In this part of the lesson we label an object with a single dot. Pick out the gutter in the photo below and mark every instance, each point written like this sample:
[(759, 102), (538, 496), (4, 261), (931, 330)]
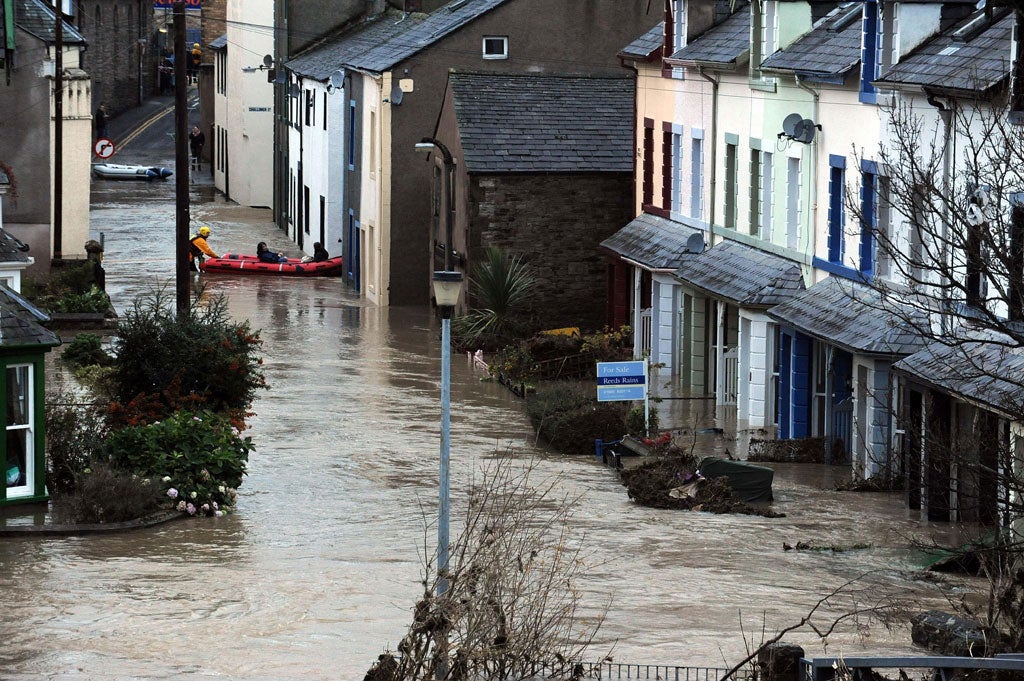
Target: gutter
[(813, 189), (714, 153)]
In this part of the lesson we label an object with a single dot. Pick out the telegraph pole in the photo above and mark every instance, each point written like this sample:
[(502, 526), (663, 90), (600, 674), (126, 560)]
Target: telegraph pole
[(181, 161), (58, 131)]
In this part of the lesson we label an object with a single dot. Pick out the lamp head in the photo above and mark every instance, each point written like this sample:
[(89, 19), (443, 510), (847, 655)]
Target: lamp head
[(425, 147), (447, 289)]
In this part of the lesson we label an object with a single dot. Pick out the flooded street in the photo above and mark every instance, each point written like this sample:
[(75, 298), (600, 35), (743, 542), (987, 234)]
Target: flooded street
[(317, 571)]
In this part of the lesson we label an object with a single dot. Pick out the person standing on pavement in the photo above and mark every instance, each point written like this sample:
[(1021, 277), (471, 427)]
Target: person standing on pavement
[(101, 122), (199, 249), (196, 140)]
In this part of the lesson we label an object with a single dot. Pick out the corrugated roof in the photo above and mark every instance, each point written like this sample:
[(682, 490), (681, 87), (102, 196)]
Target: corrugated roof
[(219, 43), (11, 248), (382, 42), (19, 322), (39, 19), (516, 122), (984, 371), (968, 57), (852, 316), (726, 43), (831, 48), (742, 275), (654, 242), (646, 46)]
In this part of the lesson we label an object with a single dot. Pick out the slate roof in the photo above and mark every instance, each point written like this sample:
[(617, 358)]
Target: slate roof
[(37, 18), (219, 43), (647, 46), (544, 123), (972, 63), (726, 43), (653, 242), (380, 43), (831, 49), (11, 248), (851, 316), (983, 371), (19, 322), (742, 275)]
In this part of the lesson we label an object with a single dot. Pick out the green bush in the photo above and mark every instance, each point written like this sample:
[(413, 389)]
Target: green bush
[(74, 433), (94, 300), (85, 350), (635, 421), (199, 458), (105, 495), (201, 354), (569, 418)]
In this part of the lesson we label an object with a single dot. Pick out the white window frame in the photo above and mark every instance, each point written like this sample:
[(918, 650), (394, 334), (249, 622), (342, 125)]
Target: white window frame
[(677, 171), (696, 177), (793, 187), (29, 428), (767, 194), (494, 55)]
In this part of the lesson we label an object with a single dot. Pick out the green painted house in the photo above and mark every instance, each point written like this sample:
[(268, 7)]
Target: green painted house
[(24, 343)]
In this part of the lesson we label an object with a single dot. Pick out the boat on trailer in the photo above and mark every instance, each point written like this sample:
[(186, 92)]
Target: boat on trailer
[(235, 263), (115, 171)]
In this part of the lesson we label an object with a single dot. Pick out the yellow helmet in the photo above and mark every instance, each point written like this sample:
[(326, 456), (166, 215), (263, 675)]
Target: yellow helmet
[(204, 231)]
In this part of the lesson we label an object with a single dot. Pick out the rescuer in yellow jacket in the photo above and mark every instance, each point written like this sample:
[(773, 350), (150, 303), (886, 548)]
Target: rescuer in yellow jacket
[(199, 249)]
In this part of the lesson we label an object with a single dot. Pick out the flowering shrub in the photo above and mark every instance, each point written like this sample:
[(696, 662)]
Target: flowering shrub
[(199, 457), (660, 444)]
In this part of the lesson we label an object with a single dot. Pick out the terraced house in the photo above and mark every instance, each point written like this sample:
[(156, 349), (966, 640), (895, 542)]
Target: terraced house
[(818, 233)]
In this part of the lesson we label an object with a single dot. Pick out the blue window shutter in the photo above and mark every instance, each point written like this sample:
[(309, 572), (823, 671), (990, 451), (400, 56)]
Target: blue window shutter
[(801, 389)]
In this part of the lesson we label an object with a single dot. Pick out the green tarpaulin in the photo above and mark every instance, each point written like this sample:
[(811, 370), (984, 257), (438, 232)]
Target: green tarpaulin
[(752, 483)]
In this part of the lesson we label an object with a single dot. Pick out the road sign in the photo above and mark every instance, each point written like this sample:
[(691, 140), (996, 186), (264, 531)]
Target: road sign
[(104, 148), (621, 381)]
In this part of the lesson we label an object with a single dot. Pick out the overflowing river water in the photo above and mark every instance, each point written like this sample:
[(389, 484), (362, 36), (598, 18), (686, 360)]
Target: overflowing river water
[(317, 571)]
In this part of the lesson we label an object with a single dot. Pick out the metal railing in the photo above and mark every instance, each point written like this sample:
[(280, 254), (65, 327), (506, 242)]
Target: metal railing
[(827, 668), (616, 670), (645, 332), (731, 361)]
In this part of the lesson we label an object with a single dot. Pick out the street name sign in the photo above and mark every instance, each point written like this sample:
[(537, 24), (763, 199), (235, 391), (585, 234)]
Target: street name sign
[(621, 381)]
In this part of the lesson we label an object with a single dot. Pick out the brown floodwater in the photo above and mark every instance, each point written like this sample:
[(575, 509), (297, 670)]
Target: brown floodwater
[(317, 571)]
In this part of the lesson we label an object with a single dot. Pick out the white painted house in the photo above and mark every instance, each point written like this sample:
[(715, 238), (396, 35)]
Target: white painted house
[(244, 104)]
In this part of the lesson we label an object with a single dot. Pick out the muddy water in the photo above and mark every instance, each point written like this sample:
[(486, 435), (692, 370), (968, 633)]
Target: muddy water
[(316, 572)]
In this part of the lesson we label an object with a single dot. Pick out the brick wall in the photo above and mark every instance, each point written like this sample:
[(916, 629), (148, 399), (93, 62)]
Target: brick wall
[(555, 222), (115, 57), (215, 14)]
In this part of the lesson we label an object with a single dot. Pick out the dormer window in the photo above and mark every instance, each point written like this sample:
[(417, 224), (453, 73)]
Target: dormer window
[(769, 29), (869, 53), (678, 25)]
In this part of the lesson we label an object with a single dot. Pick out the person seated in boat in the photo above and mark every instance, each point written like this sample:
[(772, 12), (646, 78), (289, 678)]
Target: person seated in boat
[(198, 248), (266, 255), (320, 253)]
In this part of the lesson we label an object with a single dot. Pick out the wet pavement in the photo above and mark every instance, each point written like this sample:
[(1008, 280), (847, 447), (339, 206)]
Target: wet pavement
[(317, 571)]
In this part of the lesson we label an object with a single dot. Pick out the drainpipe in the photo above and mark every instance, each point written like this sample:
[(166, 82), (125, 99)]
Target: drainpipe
[(714, 152), (946, 114), (812, 190)]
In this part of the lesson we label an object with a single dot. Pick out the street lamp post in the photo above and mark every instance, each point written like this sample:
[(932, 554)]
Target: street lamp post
[(428, 144), (447, 288)]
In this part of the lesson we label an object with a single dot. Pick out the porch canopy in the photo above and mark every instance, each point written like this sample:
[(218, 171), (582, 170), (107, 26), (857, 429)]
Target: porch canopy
[(652, 243), (21, 323), (742, 275), (853, 317), (987, 370)]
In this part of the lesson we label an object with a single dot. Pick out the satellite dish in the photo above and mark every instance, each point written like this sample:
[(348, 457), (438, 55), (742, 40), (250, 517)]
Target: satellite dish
[(790, 123), (695, 243), (805, 130), (337, 79), (396, 95), (268, 60)]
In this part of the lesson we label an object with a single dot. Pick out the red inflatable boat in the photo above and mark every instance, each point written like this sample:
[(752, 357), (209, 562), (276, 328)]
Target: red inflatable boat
[(234, 263)]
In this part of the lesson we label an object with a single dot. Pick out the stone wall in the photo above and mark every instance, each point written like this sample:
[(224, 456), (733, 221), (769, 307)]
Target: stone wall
[(215, 14), (122, 47), (555, 222)]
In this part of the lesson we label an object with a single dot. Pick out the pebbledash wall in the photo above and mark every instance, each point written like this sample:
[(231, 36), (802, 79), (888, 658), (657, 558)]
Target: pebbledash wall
[(555, 222)]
